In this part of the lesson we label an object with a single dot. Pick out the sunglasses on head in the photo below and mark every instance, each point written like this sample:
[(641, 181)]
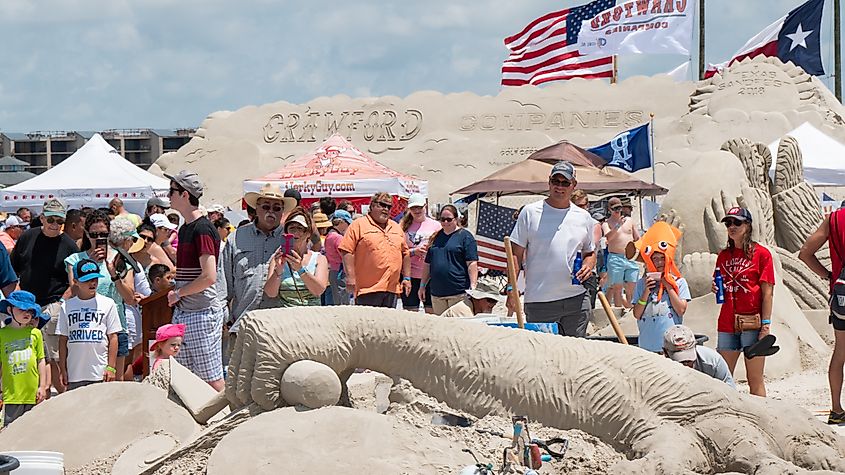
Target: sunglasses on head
[(733, 222), (556, 182), (98, 235), (276, 209), (54, 220), (383, 204), (446, 219)]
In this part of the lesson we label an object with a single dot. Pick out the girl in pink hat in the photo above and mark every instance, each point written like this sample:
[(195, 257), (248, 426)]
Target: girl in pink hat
[(168, 342)]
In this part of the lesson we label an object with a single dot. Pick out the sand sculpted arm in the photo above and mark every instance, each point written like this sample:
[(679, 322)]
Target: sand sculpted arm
[(664, 416)]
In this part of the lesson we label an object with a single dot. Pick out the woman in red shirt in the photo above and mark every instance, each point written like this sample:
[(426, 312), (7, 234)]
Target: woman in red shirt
[(749, 277)]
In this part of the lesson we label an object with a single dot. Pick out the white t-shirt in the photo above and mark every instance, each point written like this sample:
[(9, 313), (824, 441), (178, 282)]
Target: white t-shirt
[(87, 324), (552, 237)]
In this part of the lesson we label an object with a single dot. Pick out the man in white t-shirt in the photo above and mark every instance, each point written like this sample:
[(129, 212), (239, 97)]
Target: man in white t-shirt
[(547, 238), (88, 326)]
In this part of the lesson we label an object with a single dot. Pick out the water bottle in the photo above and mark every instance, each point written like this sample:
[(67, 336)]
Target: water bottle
[(576, 266), (720, 287)]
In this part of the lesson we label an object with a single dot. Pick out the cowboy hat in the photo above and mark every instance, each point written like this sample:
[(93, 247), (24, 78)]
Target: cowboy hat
[(271, 192)]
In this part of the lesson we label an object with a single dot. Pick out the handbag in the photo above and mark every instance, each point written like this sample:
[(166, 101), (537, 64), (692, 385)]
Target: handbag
[(744, 323)]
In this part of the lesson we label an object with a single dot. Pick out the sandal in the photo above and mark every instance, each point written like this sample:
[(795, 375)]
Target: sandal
[(835, 418), (763, 347)]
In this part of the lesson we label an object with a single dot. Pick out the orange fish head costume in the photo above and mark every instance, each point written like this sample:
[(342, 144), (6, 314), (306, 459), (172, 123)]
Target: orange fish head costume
[(663, 238)]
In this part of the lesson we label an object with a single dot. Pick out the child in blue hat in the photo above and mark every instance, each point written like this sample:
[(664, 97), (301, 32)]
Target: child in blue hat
[(22, 364)]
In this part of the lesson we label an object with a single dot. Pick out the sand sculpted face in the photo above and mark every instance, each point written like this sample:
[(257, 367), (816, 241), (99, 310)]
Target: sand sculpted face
[(667, 418)]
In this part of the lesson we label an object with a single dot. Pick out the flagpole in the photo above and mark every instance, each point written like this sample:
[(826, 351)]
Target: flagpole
[(615, 71), (651, 146), (837, 51), (701, 39)]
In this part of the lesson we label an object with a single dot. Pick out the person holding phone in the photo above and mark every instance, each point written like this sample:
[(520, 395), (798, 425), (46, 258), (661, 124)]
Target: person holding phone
[(297, 274)]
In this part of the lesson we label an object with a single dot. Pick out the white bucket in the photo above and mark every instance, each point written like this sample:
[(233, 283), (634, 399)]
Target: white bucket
[(39, 463)]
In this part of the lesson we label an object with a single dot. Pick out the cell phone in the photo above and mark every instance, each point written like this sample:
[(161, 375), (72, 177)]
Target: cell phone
[(655, 275), (101, 242), (287, 244)]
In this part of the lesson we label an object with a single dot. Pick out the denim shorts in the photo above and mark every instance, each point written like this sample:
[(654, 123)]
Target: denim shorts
[(122, 344), (737, 341)]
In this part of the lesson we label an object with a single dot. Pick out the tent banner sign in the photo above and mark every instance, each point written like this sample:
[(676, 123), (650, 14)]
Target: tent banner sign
[(346, 188)]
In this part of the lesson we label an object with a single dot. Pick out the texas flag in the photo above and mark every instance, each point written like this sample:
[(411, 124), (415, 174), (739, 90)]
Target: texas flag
[(795, 37)]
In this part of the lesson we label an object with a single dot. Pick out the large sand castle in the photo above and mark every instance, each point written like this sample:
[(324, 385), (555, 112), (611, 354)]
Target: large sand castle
[(624, 410)]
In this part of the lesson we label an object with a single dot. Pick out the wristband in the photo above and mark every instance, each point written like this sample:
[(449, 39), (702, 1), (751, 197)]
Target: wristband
[(423, 284), (111, 370), (509, 288), (642, 302), (302, 270), (766, 322), (406, 278)]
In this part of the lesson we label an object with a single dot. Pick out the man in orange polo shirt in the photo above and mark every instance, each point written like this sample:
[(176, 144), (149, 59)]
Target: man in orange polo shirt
[(375, 256)]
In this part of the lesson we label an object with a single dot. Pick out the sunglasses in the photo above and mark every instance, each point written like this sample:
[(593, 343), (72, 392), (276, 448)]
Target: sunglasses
[(53, 220), (98, 235), (383, 204), (174, 190), (445, 219), (733, 222), (616, 208), (147, 238), (276, 209), (563, 183)]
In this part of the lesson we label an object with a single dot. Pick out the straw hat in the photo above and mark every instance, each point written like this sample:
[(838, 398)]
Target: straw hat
[(321, 220), (271, 192)]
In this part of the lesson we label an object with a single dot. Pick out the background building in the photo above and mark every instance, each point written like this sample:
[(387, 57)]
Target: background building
[(41, 150)]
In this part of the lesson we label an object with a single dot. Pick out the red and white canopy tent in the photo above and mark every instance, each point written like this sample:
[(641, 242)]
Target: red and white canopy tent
[(340, 170)]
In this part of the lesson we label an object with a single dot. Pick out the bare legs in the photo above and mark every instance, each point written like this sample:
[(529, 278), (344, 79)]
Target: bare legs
[(753, 370), (835, 372)]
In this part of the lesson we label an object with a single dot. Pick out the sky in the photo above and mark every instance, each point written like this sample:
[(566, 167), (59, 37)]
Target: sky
[(103, 64)]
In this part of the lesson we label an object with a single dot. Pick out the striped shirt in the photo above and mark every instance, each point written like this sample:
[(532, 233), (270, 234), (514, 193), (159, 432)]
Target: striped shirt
[(243, 268), (196, 239)]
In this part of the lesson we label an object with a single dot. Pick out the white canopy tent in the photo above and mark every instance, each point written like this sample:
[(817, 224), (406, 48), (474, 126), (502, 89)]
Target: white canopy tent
[(92, 176), (823, 156)]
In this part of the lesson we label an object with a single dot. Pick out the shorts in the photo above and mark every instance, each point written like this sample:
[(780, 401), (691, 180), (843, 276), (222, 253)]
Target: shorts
[(122, 344), (412, 300), (621, 269), (441, 304), (838, 323), (737, 341), (133, 326), (570, 314), (79, 384), (51, 340), (13, 411), (202, 350), (377, 299)]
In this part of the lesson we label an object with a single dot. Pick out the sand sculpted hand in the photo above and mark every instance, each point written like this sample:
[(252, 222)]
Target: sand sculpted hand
[(797, 210), (665, 417)]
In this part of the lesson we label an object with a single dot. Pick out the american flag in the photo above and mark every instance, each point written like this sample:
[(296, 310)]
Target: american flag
[(547, 49), (494, 223)]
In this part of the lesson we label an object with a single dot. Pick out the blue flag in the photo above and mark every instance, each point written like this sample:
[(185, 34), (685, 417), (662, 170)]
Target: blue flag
[(799, 39), (630, 150)]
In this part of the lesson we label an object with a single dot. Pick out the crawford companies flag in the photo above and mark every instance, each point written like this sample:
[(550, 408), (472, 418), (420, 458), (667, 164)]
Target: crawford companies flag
[(547, 49), (640, 27)]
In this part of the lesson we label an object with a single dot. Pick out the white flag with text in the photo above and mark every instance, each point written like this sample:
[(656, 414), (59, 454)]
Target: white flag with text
[(640, 27)]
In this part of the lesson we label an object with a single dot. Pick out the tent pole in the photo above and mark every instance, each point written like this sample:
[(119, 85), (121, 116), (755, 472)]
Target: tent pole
[(640, 195)]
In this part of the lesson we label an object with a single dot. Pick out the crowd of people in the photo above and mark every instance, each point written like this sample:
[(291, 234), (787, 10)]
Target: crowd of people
[(74, 279)]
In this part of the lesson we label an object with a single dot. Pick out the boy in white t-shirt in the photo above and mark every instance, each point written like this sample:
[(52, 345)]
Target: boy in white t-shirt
[(88, 326)]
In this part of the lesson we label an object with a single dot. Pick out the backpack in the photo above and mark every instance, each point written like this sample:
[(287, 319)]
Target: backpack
[(837, 296)]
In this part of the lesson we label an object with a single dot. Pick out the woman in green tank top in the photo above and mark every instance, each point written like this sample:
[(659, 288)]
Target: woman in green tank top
[(300, 277)]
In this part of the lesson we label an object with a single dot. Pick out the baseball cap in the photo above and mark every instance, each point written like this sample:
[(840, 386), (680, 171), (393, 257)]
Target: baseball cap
[(188, 180), (293, 193), (417, 199), (216, 208), (13, 221), (86, 270), (738, 213), (297, 219), (342, 214), (160, 221), (54, 207), (563, 168), (158, 201), (679, 343)]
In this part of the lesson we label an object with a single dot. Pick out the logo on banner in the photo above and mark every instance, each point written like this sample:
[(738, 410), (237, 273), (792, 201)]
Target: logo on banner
[(621, 153)]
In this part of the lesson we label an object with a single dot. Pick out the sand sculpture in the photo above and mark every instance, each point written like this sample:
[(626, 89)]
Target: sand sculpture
[(667, 418)]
